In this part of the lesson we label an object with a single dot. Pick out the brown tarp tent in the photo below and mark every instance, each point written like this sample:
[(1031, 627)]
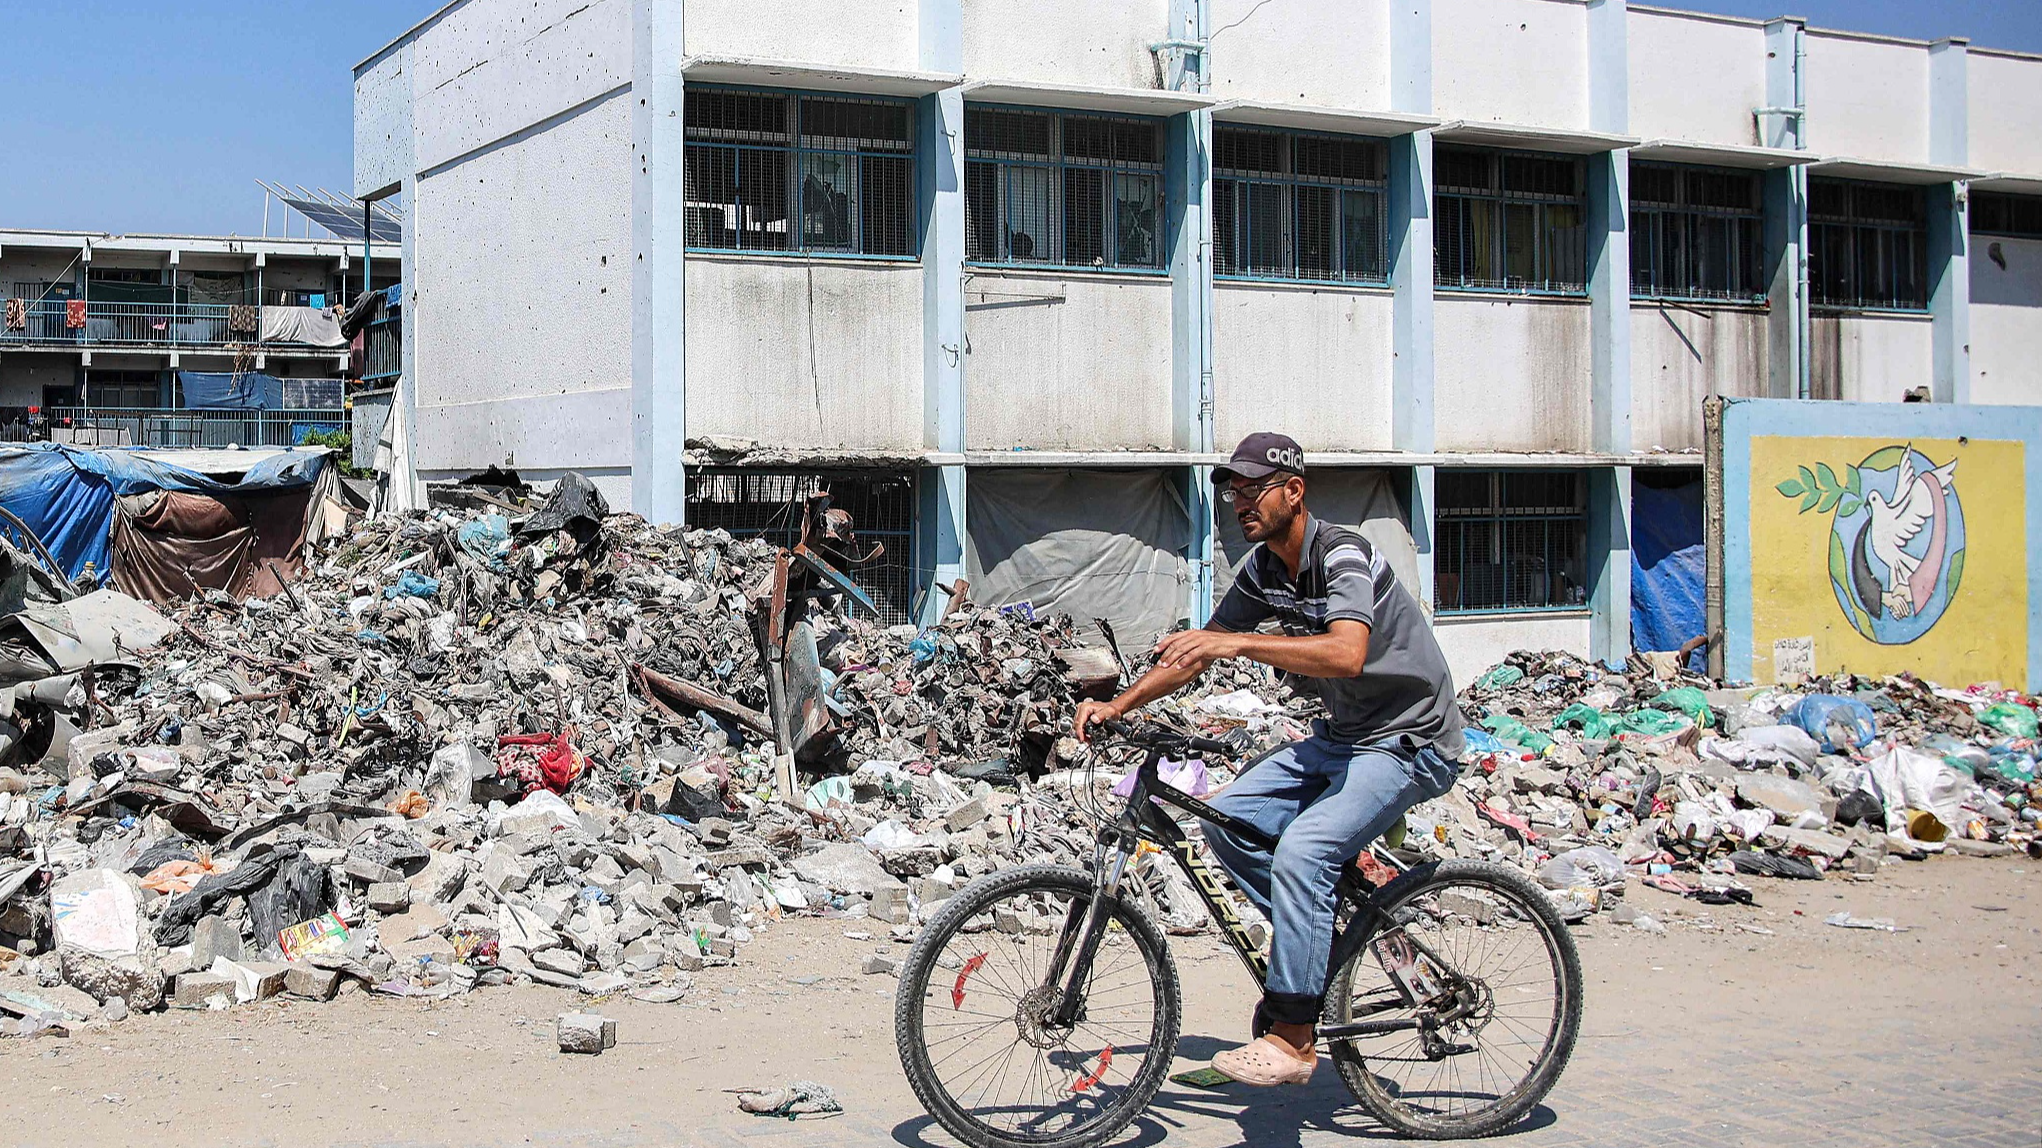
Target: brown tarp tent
[(169, 545)]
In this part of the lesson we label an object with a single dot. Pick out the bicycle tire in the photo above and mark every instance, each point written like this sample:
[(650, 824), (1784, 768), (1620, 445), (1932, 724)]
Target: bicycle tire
[(1353, 952), (919, 969)]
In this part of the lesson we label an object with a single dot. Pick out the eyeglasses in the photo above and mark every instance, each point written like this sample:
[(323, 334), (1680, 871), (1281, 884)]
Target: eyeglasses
[(1231, 495)]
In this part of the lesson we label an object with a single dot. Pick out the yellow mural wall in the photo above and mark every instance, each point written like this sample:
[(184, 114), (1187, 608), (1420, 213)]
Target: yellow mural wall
[(1818, 581)]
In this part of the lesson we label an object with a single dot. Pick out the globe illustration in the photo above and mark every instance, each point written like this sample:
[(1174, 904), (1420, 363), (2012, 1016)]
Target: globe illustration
[(1896, 544)]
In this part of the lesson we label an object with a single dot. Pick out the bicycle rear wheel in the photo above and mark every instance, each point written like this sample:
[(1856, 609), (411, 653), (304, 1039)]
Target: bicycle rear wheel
[(974, 1025), (1499, 985)]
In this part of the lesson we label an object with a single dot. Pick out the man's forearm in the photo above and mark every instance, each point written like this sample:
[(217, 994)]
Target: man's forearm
[(1159, 682), (1314, 656)]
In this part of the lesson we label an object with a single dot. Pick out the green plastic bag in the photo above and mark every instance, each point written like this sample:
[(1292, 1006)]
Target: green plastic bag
[(1652, 723), (1687, 700), (1499, 676), (2009, 719), (1592, 722), (1517, 733)]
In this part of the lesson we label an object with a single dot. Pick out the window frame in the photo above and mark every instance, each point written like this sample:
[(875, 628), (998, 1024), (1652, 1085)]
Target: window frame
[(1822, 227), (1980, 199), (798, 155), (1057, 165), (1504, 200), (1497, 516), (1655, 213), (1292, 185)]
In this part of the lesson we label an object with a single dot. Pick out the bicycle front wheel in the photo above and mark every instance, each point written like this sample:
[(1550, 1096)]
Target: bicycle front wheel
[(975, 1017), (1483, 977)]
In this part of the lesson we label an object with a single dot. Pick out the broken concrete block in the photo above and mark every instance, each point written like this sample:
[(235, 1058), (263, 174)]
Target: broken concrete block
[(311, 982), (389, 896), (586, 1032), (843, 868), (253, 980), (879, 964), (370, 872), (967, 815), (213, 938), (86, 746), (200, 990)]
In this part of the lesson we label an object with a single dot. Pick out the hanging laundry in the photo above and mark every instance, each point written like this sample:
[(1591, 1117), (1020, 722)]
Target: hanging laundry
[(17, 314), (74, 314), (241, 317)]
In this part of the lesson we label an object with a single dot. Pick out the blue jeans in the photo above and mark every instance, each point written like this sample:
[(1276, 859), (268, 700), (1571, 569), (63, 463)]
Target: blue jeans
[(1323, 801)]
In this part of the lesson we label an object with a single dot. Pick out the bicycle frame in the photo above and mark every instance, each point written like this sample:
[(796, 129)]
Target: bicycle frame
[(1143, 820)]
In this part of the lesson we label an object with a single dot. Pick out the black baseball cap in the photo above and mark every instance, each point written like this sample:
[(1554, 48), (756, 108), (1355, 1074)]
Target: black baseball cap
[(1262, 454)]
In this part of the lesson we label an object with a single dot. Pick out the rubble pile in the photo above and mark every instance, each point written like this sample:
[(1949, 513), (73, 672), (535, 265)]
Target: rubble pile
[(498, 743)]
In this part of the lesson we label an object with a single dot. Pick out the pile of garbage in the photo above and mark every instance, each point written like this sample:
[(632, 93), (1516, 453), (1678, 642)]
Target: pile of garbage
[(1586, 776), (538, 743)]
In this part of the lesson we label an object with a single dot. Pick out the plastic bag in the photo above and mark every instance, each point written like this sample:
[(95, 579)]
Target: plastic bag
[(2009, 719), (1592, 722), (1189, 776), (486, 538), (1651, 723), (1517, 733), (1907, 779), (1481, 742), (1591, 866), (1499, 676), (1687, 700), (2012, 765), (412, 584), (1837, 724)]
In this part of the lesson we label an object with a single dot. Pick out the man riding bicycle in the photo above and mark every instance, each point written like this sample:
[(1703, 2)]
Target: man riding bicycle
[(1356, 637)]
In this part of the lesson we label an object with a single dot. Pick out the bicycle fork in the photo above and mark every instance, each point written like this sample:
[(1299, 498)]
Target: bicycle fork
[(1078, 945)]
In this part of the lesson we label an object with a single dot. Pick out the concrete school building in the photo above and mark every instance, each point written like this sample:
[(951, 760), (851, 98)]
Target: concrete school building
[(1013, 274)]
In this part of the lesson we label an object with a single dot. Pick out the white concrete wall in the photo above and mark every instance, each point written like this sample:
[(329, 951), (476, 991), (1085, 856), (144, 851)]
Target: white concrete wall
[(1511, 61), (2005, 106), (383, 132), (1474, 643), (1682, 354), (867, 34), (1510, 373), (493, 68), (805, 353), (24, 265), (1314, 359), (1869, 358), (1067, 361), (1261, 51), (522, 314), (1694, 77), (1103, 43), (1868, 99), (2006, 321)]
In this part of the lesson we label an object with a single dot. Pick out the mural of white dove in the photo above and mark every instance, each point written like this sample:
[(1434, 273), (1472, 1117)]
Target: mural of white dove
[(1918, 501)]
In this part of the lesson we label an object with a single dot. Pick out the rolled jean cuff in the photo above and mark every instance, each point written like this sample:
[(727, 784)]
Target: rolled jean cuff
[(1292, 1008)]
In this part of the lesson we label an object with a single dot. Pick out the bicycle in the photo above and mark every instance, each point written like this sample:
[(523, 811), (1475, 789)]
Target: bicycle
[(1078, 975)]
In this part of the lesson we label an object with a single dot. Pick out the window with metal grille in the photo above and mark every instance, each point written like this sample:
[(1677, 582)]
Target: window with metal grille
[(1062, 189), (1511, 540), (1297, 205), (2014, 216), (769, 504), (794, 172), (1695, 233), (1509, 221), (1867, 245)]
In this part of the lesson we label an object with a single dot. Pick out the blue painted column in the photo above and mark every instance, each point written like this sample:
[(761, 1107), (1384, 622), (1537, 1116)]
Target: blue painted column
[(1784, 124), (1949, 240), (939, 193), (1411, 273), (1187, 191), (1609, 323), (659, 392)]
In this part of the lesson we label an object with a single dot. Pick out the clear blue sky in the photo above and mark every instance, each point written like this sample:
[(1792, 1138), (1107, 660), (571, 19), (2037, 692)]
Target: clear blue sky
[(154, 116)]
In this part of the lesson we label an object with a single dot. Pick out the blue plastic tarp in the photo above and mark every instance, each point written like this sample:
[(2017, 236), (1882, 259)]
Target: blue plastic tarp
[(1669, 566), (246, 391), (66, 493)]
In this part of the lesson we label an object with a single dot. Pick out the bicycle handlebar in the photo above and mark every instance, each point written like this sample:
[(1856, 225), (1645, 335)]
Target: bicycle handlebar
[(1158, 737)]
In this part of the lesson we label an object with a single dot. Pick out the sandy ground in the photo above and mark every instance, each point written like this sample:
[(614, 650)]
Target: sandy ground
[(484, 1069)]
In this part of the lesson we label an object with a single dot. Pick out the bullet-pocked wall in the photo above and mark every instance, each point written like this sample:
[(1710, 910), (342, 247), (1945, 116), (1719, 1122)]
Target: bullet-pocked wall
[(1344, 63), (1312, 357), (1065, 42), (1868, 97), (872, 34), (1511, 61), (2004, 106), (1695, 77), (1869, 358)]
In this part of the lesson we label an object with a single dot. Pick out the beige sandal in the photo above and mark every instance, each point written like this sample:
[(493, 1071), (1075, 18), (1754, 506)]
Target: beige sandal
[(1266, 1062)]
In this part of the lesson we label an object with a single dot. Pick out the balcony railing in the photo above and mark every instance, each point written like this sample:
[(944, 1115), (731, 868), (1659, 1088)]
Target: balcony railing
[(163, 426), (128, 324)]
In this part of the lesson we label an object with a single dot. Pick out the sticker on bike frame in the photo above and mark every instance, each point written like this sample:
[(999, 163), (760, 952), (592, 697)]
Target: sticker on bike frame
[(957, 990), (1086, 1082), (1413, 974)]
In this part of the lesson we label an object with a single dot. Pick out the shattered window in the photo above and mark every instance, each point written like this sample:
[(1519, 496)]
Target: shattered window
[(1511, 540), (1298, 205), (1062, 189), (1695, 233), (780, 171), (1867, 245), (1509, 221), (768, 504)]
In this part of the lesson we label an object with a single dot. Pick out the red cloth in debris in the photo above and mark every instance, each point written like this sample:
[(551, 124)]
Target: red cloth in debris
[(539, 759)]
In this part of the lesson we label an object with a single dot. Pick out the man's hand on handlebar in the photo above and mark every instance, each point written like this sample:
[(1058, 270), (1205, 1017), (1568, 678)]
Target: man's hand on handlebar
[(1196, 649), (1091, 713)]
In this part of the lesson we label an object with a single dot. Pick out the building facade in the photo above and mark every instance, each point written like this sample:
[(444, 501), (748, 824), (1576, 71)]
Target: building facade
[(1012, 275), (98, 328)]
